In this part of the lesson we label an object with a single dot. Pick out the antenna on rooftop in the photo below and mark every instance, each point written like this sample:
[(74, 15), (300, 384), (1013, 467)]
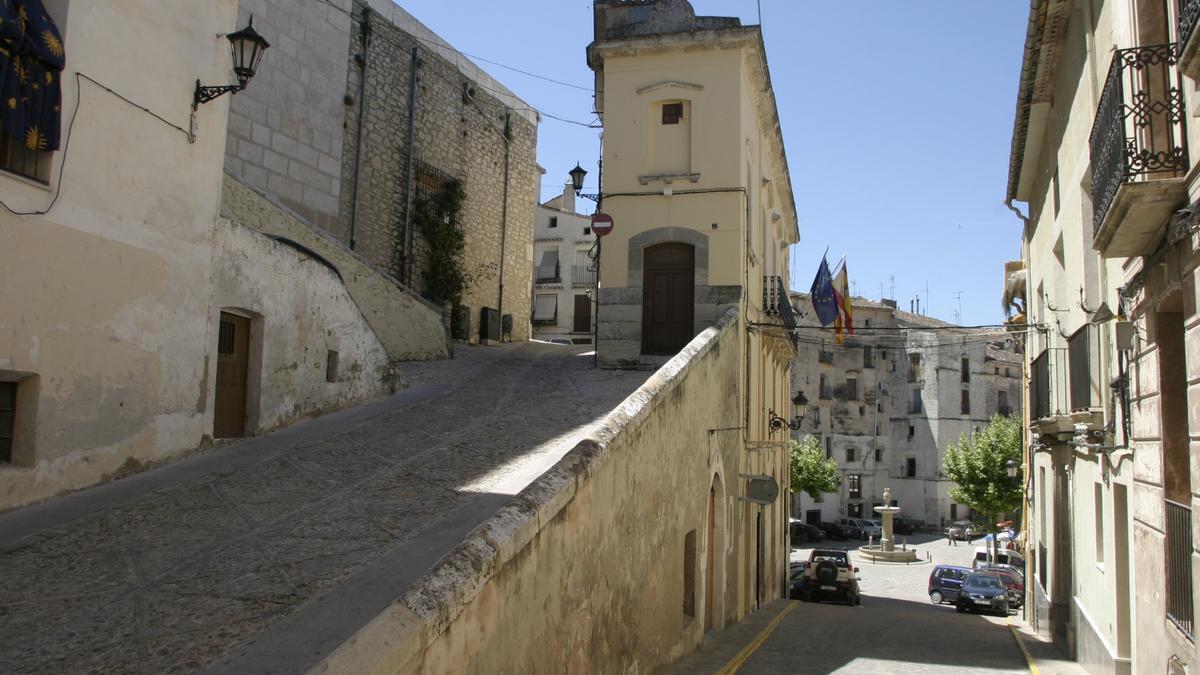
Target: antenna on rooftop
[(892, 278), (926, 296), (958, 311)]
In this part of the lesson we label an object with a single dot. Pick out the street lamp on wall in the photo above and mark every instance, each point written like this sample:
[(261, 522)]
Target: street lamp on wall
[(799, 408), (247, 48), (1013, 467), (577, 175)]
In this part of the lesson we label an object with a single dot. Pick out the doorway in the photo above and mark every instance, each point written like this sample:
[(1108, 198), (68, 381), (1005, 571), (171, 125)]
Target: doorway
[(233, 359), (583, 314), (668, 295)]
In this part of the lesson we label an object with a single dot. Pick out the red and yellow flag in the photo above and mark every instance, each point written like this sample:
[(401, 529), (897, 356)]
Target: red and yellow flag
[(841, 292)]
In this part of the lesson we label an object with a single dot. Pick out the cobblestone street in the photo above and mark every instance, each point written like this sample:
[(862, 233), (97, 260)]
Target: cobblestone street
[(222, 559)]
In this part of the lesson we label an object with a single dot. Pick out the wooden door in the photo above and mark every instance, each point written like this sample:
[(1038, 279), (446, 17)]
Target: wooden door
[(709, 599), (583, 314), (233, 356), (668, 294)]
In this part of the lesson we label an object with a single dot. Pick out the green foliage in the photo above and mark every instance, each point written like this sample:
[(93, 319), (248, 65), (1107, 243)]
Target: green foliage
[(436, 216), (811, 472), (977, 464)]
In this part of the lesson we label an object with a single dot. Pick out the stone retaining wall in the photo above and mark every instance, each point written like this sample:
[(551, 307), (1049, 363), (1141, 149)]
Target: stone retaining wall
[(584, 571)]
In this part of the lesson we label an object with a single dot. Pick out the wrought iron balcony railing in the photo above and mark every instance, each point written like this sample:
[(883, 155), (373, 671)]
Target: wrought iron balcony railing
[(1179, 567), (548, 274), (582, 274), (1189, 16), (1138, 134), (1039, 386)]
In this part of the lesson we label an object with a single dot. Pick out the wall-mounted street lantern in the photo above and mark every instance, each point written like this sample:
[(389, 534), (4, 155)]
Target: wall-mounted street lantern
[(799, 407), (247, 48), (577, 175), (1013, 467)]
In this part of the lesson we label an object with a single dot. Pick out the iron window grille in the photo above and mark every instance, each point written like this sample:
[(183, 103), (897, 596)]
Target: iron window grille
[(1139, 130), (8, 411), (1179, 567), (776, 303), (854, 486), (1189, 16)]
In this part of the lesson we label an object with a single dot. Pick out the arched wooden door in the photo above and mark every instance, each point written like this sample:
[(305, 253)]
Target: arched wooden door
[(668, 298)]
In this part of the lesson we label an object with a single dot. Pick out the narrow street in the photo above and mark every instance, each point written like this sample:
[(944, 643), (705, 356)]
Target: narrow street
[(895, 629), (269, 552)]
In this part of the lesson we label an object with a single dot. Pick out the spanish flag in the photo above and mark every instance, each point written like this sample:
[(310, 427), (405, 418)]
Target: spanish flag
[(841, 292)]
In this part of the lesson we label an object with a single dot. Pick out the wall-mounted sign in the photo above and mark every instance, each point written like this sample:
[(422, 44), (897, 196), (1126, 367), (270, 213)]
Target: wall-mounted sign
[(761, 490), (602, 224)]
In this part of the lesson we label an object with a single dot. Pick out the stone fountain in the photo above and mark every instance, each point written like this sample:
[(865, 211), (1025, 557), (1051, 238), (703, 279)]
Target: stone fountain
[(886, 548)]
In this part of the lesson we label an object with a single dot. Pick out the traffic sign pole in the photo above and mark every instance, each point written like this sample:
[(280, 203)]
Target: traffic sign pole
[(602, 224)]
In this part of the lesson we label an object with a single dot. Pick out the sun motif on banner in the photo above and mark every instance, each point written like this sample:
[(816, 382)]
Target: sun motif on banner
[(34, 140), (52, 43)]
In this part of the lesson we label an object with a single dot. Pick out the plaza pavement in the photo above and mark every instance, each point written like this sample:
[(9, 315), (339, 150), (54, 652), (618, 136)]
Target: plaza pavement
[(264, 554)]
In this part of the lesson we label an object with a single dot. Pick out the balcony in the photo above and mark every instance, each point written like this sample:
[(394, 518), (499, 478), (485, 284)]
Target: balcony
[(548, 274), (1138, 150), (776, 303), (582, 275), (1048, 392), (1180, 610), (1189, 38)]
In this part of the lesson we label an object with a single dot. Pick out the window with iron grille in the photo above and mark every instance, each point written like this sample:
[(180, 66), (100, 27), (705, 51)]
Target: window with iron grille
[(1080, 368), (850, 452), (672, 113), (553, 221), (966, 401), (878, 452)]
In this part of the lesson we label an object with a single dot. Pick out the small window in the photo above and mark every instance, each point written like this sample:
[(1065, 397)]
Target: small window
[(8, 414), (545, 308), (916, 402), (331, 366), (966, 369), (851, 388), (689, 574), (878, 452), (828, 447), (672, 113), (912, 432), (553, 221), (854, 485), (910, 467), (850, 454), (855, 510), (966, 401), (883, 354), (868, 357), (914, 367), (1002, 402), (587, 231)]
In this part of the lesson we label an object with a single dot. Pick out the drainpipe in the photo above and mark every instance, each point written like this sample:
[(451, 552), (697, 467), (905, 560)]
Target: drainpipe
[(362, 104), (408, 170), (504, 220)]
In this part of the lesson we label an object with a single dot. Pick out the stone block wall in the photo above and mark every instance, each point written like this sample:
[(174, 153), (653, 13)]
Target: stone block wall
[(584, 571), (461, 129), (285, 128)]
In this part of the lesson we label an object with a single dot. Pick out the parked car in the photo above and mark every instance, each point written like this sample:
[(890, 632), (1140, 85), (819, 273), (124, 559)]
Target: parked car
[(802, 533), (1013, 580), (832, 531), (828, 574), (859, 528), (796, 580), (983, 592), (560, 341), (963, 529), (945, 582), (905, 525), (1004, 556)]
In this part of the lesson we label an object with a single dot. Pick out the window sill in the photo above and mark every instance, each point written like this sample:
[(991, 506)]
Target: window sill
[(25, 180)]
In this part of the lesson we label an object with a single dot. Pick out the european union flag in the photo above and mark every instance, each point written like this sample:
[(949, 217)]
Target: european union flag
[(822, 296)]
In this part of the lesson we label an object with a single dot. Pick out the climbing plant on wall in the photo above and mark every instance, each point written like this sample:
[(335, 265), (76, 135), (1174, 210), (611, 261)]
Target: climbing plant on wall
[(436, 216)]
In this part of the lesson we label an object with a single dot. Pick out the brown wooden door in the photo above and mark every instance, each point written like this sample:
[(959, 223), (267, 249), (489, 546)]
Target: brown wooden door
[(712, 558), (668, 294), (233, 356), (583, 314)]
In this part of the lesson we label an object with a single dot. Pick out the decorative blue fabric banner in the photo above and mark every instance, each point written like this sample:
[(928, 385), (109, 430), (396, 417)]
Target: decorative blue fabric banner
[(31, 64), (822, 296)]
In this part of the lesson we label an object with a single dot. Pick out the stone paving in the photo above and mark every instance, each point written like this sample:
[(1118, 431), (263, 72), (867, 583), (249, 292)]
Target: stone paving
[(175, 568)]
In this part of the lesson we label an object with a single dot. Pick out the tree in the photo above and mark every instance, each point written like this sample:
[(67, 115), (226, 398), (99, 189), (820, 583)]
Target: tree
[(976, 463), (811, 472)]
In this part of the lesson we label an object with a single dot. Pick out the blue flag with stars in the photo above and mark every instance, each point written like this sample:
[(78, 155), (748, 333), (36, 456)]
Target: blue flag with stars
[(823, 300)]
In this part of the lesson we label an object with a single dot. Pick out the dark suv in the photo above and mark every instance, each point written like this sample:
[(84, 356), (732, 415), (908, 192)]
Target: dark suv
[(945, 583)]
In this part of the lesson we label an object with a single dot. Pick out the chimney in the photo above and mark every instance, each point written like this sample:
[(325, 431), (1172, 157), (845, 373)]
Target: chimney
[(568, 200)]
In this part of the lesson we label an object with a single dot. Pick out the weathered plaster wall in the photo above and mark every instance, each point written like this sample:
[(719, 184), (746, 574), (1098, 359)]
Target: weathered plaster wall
[(464, 125), (300, 311), (409, 327), (105, 302), (584, 570)]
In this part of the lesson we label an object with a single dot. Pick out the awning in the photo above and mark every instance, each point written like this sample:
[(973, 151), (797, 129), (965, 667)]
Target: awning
[(545, 307)]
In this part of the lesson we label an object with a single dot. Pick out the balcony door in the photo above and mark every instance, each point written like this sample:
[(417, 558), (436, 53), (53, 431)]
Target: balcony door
[(668, 298)]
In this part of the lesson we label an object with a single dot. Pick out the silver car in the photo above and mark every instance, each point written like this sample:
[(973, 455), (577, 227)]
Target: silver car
[(963, 529)]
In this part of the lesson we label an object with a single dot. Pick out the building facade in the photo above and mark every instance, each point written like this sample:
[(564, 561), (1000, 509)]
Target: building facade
[(696, 181), (147, 324), (1103, 156), (887, 403), (369, 117), (564, 272)]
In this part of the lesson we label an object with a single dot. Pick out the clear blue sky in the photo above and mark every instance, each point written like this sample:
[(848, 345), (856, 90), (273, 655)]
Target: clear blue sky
[(897, 118)]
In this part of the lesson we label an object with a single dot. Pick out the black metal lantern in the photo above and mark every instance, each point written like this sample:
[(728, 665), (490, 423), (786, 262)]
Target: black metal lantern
[(1013, 467), (799, 407), (577, 174), (246, 47)]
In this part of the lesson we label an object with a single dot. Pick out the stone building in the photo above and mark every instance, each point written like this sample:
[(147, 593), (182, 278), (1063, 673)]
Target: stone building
[(887, 403), (564, 274), (1103, 156), (696, 181), (368, 115), (148, 322)]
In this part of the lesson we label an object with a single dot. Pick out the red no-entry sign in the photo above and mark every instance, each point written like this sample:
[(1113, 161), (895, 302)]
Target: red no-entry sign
[(602, 224)]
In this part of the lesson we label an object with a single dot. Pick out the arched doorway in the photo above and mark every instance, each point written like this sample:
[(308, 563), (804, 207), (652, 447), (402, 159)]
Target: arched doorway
[(668, 298), (714, 567)]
